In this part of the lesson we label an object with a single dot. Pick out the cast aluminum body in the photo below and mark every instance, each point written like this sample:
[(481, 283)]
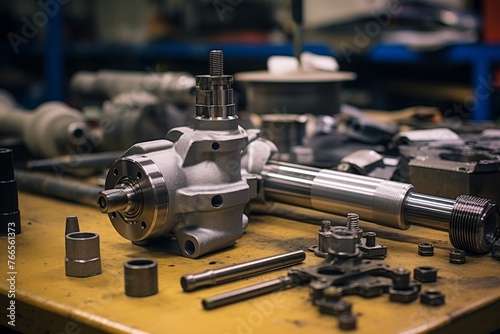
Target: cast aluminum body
[(189, 185)]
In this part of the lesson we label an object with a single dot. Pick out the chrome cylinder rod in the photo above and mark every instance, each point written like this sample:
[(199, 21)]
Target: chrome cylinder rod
[(471, 221)]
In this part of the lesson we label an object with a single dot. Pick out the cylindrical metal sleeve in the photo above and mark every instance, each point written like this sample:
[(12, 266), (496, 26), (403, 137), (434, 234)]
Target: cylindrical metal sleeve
[(191, 282), (372, 199), (428, 211), (10, 220), (83, 256), (141, 277)]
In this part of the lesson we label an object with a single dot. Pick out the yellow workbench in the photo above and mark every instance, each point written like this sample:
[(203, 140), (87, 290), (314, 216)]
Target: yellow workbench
[(47, 301)]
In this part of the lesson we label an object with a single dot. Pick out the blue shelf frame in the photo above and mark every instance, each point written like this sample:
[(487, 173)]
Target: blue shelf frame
[(481, 57)]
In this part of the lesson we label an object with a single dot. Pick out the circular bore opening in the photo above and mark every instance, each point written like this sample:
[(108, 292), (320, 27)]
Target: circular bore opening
[(102, 202), (432, 292), (141, 263), (189, 247), (81, 235), (113, 215), (217, 201), (457, 252), (215, 146), (78, 133), (115, 171), (143, 225), (139, 175)]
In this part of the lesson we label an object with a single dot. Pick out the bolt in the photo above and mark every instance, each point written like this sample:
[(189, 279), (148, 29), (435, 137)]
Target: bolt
[(216, 63), (325, 225), (347, 321), (457, 256), (370, 239), (425, 249)]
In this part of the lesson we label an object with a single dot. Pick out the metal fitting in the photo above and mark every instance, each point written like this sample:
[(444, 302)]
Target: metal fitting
[(432, 298), (141, 277), (71, 225), (401, 278), (83, 257), (347, 321), (457, 256), (425, 249), (370, 248), (425, 274), (403, 295)]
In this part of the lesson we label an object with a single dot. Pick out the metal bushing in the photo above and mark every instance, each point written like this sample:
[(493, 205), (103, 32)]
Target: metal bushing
[(425, 249), (83, 257), (403, 295), (432, 298), (141, 277), (457, 256), (425, 274), (347, 321)]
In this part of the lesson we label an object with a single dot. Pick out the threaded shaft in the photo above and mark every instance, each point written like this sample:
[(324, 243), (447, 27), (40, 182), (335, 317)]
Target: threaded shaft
[(473, 223), (216, 63), (325, 225)]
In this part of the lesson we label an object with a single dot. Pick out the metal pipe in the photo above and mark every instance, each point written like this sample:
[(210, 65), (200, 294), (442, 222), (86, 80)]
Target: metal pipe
[(238, 295), (230, 273), (57, 187), (175, 87), (471, 221)]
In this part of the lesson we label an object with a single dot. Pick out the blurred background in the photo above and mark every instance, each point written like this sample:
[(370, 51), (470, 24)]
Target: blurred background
[(441, 53)]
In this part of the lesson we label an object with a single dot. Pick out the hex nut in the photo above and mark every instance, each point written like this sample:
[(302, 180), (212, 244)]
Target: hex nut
[(457, 256), (425, 274), (347, 321), (403, 295), (425, 249), (343, 242), (432, 298)]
